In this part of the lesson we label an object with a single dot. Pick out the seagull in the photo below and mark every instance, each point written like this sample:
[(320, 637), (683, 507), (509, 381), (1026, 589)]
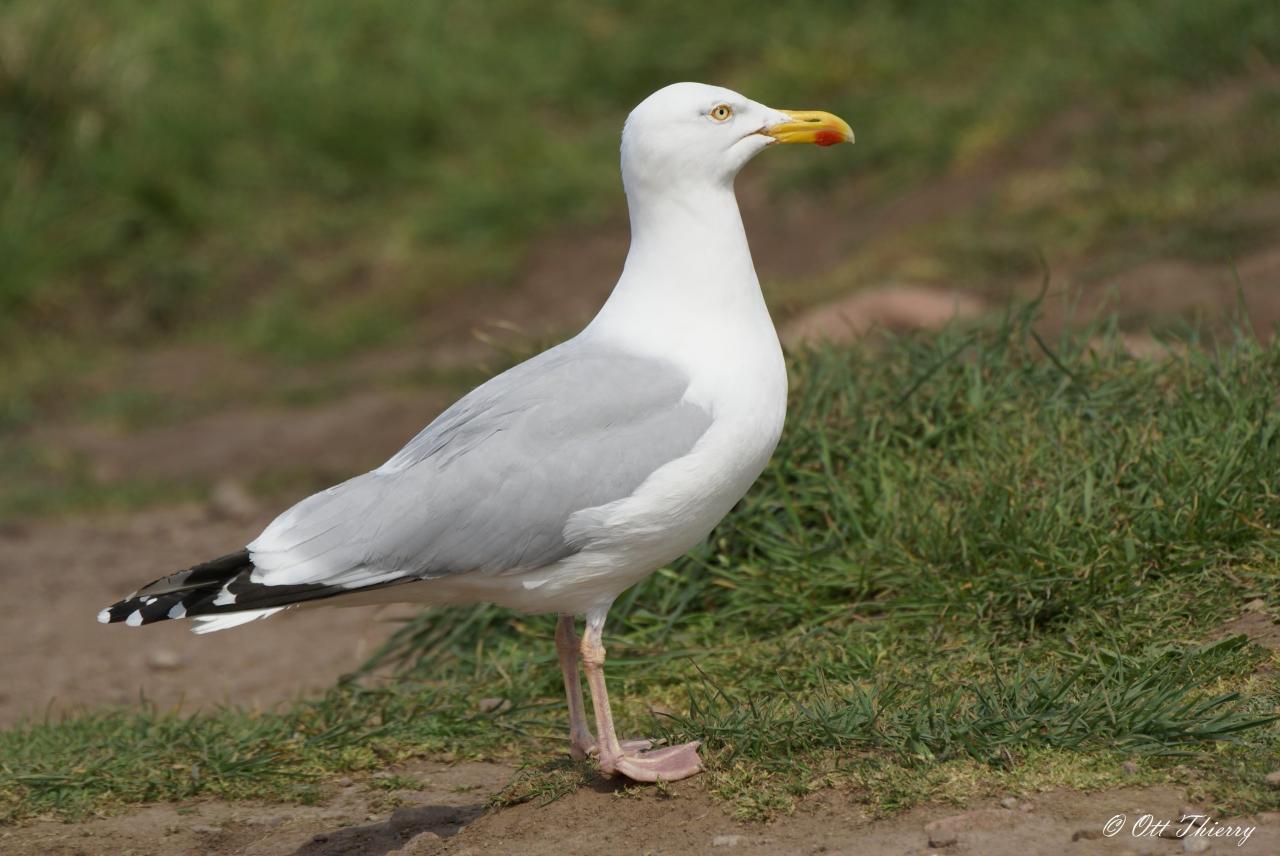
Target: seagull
[(558, 484)]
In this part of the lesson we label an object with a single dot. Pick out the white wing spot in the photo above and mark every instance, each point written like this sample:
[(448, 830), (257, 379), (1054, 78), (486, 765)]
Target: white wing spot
[(104, 616), (178, 610), (134, 619)]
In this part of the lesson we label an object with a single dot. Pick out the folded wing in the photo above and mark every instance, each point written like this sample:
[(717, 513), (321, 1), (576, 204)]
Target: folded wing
[(489, 486)]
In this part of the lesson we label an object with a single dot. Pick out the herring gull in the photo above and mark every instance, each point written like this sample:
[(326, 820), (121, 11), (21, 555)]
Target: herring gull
[(570, 477)]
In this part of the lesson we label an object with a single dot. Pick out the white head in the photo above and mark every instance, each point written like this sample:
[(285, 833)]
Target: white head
[(692, 134)]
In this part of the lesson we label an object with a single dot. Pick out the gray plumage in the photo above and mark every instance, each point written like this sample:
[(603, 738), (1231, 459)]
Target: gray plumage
[(490, 484)]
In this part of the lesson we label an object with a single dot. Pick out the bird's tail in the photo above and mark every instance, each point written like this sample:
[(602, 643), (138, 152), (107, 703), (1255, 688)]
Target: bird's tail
[(220, 593)]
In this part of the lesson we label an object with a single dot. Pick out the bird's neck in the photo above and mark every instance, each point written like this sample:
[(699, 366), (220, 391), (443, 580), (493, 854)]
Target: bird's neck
[(697, 231), (689, 267)]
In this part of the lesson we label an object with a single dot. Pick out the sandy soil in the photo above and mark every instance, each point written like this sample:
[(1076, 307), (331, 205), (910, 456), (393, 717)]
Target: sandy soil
[(449, 816)]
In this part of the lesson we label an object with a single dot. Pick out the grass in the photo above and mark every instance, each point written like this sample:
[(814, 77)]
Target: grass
[(302, 179), (978, 562)]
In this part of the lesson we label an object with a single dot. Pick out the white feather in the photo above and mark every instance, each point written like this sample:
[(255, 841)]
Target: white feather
[(214, 623)]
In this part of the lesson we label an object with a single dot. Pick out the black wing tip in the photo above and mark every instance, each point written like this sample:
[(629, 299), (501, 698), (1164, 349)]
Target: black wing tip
[(137, 610), (216, 587), (174, 595)]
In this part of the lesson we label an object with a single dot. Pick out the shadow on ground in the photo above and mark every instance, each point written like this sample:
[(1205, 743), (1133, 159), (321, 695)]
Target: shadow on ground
[(424, 824)]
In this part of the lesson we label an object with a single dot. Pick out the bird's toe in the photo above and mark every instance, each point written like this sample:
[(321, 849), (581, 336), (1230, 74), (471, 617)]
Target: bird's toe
[(669, 764)]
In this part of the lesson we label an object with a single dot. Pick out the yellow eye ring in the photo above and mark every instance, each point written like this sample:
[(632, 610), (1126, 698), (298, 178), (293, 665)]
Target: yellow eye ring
[(721, 113)]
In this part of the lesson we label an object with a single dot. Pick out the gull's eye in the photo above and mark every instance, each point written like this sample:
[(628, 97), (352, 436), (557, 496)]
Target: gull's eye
[(721, 112)]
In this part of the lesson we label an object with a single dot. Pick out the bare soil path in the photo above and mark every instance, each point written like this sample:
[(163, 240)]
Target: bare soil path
[(448, 816), (58, 657)]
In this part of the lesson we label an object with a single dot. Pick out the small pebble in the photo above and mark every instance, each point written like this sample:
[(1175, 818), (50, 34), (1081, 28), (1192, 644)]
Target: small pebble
[(493, 705), (943, 838), (727, 840), (164, 659), (1130, 768), (1194, 845), (201, 829), (1026, 807), (1256, 605), (1009, 802), (947, 830), (1272, 779), (1192, 815), (231, 499), (422, 843), (344, 782)]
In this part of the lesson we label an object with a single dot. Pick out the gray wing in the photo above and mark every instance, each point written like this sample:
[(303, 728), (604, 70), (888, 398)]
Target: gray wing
[(490, 484)]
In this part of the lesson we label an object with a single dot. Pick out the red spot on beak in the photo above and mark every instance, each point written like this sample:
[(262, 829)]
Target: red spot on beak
[(827, 138)]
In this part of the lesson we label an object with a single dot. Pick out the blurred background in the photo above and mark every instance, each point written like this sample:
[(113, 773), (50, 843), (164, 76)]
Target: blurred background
[(247, 249)]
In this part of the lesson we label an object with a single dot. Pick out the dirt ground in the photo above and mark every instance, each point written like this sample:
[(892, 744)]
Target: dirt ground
[(449, 816), (58, 657)]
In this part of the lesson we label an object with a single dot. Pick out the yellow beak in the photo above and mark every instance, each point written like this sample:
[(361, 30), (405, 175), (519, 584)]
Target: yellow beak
[(811, 126)]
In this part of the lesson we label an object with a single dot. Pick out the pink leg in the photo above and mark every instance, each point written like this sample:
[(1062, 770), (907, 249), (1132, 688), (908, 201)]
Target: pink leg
[(581, 743), (669, 764)]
